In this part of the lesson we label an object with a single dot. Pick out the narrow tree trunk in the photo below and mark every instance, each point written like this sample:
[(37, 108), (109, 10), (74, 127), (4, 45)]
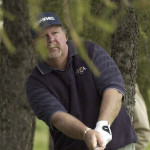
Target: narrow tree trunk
[(16, 118), (124, 52)]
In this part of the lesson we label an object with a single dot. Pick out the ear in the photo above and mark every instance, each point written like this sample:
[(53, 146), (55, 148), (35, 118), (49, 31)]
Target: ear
[(65, 35)]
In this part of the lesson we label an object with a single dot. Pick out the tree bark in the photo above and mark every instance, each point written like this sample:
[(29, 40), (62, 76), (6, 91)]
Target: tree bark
[(16, 118), (124, 52)]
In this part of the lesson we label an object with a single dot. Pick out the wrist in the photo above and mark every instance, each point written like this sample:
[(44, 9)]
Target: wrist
[(102, 122), (85, 132)]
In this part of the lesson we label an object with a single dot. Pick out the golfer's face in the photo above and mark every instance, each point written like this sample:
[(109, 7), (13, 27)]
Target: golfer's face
[(55, 41)]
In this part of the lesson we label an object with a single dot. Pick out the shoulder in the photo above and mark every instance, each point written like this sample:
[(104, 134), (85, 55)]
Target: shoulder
[(94, 49), (35, 73), (34, 77), (90, 47)]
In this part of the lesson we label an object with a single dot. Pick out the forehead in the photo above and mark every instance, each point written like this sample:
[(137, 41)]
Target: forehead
[(52, 28), (49, 29)]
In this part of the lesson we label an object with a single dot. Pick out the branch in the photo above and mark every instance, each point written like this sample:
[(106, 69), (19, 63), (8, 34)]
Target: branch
[(78, 40)]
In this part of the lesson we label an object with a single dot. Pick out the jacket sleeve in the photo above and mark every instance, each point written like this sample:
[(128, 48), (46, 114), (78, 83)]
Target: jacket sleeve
[(42, 102), (110, 76)]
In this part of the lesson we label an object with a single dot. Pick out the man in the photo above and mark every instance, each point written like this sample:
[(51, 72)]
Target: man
[(83, 112)]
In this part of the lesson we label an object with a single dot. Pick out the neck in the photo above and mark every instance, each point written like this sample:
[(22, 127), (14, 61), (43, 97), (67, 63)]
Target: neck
[(58, 63)]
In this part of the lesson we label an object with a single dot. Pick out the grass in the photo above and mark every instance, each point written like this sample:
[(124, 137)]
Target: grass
[(148, 147), (41, 138)]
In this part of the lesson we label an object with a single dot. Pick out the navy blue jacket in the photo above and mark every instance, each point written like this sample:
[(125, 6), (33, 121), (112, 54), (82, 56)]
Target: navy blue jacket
[(78, 92)]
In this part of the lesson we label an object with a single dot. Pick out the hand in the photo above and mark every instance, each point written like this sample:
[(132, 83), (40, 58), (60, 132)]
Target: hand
[(92, 139), (104, 129)]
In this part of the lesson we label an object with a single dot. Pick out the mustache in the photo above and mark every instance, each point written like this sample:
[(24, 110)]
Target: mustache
[(52, 45)]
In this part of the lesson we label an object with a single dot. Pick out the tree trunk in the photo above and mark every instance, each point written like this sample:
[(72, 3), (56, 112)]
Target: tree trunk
[(124, 52), (16, 118)]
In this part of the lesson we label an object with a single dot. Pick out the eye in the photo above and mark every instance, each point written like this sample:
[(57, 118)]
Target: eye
[(54, 33)]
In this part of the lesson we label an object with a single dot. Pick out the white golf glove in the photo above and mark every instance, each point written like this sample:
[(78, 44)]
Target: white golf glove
[(104, 129)]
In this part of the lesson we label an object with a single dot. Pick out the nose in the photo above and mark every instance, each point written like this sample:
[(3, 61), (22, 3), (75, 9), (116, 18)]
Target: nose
[(50, 38)]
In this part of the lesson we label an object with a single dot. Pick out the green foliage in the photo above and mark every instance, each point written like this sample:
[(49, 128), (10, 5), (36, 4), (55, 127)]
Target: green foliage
[(41, 137), (34, 8), (148, 147), (40, 48), (7, 41), (3, 34), (77, 15), (79, 11), (1, 11)]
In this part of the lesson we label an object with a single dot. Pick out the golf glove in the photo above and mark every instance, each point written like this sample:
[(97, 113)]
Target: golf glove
[(104, 129)]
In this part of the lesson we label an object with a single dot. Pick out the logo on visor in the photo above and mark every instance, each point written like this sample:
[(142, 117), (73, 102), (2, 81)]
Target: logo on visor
[(44, 19), (80, 70)]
